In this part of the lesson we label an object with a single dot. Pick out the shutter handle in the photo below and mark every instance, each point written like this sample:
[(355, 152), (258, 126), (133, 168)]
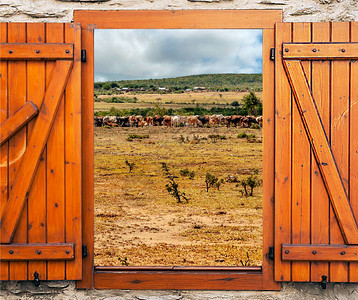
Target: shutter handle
[(36, 279), (324, 282)]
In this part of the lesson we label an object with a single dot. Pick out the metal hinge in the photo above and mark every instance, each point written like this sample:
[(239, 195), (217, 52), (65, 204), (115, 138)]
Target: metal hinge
[(84, 251), (271, 254), (272, 54), (83, 55)]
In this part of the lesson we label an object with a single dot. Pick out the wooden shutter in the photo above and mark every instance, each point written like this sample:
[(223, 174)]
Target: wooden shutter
[(316, 163), (40, 162)]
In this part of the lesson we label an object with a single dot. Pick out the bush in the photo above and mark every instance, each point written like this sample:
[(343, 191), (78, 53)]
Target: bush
[(130, 165), (187, 173), (212, 181), (172, 186), (251, 182)]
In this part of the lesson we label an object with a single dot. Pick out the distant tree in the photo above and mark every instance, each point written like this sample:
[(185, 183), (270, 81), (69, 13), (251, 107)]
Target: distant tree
[(172, 186), (252, 103), (130, 165), (106, 86), (114, 84), (212, 181)]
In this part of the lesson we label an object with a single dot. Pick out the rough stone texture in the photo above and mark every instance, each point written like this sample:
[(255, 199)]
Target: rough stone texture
[(293, 10), (65, 290), (62, 11)]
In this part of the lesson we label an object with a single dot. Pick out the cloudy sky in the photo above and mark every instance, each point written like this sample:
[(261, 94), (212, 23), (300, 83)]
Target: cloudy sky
[(162, 53)]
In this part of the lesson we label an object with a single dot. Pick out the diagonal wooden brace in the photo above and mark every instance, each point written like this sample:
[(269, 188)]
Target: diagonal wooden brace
[(322, 151), (13, 124), (27, 170)]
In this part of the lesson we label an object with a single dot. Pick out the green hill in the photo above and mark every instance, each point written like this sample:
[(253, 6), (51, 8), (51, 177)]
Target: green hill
[(209, 81)]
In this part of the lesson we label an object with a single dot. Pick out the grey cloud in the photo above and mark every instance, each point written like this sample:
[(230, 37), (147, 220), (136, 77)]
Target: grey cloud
[(144, 54)]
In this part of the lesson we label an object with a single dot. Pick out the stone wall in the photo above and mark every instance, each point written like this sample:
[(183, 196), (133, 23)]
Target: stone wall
[(65, 290), (62, 11)]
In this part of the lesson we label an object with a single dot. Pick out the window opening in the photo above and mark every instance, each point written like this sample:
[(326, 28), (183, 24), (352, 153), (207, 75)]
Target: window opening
[(178, 147)]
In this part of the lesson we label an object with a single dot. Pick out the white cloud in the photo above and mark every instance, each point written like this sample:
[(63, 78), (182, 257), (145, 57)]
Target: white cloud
[(148, 53)]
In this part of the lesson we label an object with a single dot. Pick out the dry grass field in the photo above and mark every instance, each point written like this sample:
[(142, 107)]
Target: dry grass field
[(175, 101), (138, 223)]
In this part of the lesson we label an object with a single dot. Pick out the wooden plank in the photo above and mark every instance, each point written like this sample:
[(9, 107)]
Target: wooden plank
[(87, 159), (178, 280), (37, 251), (353, 143), (307, 252), (282, 156), (33, 50), (322, 151), (180, 19), (17, 121), (320, 204), (4, 151), (320, 51), (301, 169), (55, 170), (36, 85), (268, 70), (25, 174), (73, 151), (339, 136), (17, 144)]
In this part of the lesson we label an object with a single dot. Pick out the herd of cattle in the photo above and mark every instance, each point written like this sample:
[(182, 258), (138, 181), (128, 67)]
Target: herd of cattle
[(177, 121)]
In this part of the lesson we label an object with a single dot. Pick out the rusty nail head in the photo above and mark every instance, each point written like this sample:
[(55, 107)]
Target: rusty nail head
[(67, 51), (11, 251), (314, 252), (314, 50), (343, 252), (38, 252), (37, 51), (287, 50), (287, 251), (67, 251)]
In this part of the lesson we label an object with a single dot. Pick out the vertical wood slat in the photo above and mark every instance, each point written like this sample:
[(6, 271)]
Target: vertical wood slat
[(339, 137), (282, 156), (55, 169), (73, 155), (87, 160), (353, 142), (4, 266), (320, 200), (36, 85), (17, 144), (268, 71), (301, 32)]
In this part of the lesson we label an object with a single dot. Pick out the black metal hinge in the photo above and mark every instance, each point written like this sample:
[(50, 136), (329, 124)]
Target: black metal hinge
[(83, 55), (272, 54), (271, 254), (84, 251)]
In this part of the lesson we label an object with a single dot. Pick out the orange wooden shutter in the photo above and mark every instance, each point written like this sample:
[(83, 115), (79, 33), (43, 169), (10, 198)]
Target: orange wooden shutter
[(40, 162), (316, 163)]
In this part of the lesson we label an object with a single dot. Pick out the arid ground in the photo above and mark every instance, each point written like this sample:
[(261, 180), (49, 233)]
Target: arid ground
[(137, 222)]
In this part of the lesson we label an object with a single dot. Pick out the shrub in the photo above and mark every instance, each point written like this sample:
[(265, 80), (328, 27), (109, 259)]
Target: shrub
[(172, 186), (215, 137), (212, 181), (187, 173), (250, 182), (130, 165)]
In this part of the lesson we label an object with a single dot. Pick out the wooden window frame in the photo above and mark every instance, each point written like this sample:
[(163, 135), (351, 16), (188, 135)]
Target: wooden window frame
[(205, 278)]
